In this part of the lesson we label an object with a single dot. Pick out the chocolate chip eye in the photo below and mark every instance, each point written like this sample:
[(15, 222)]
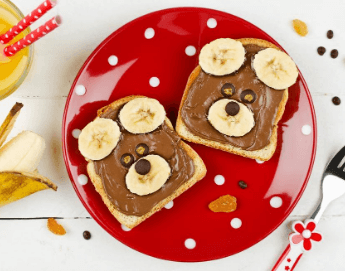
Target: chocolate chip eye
[(127, 160), (248, 96), (143, 167), (228, 90), (141, 149)]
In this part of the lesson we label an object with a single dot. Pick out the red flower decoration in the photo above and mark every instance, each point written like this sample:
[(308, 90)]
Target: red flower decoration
[(305, 233)]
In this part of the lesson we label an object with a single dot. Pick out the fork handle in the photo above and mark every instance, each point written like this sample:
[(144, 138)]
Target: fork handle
[(289, 259)]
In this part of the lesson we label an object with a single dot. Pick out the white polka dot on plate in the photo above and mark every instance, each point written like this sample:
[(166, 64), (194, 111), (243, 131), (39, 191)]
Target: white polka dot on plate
[(190, 243), (80, 90), (219, 179), (124, 228), (211, 23), (276, 202), (306, 129), (83, 179), (154, 82), (259, 161), (76, 133), (169, 205), (236, 223), (190, 50), (149, 33), (113, 60)]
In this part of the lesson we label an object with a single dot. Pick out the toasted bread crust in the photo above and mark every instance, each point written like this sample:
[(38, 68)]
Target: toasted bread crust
[(132, 221), (263, 154)]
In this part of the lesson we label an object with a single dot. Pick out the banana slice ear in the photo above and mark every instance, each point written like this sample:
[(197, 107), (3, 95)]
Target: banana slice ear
[(275, 68), (222, 56), (142, 115), (98, 139)]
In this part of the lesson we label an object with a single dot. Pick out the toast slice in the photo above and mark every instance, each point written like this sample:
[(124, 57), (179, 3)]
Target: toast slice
[(263, 154), (131, 221)]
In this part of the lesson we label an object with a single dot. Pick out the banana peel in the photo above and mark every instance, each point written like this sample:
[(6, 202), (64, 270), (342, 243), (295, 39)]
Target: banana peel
[(8, 123), (15, 185)]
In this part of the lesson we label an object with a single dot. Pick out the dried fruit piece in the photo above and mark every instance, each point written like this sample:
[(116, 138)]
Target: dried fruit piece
[(300, 27), (242, 184), (55, 227), (15, 185), (87, 235), (8, 123), (224, 204)]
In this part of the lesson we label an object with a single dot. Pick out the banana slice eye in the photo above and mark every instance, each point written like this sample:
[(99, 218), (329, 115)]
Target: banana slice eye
[(98, 139), (231, 118), (275, 68), (228, 90), (248, 96), (142, 115), (148, 175), (222, 56)]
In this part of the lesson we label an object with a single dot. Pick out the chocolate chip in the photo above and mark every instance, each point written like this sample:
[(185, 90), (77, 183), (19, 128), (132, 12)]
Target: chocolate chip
[(334, 53), (141, 149), (330, 34), (228, 90), (321, 50), (127, 160), (232, 108), (248, 96), (87, 235), (336, 100), (242, 184), (143, 167)]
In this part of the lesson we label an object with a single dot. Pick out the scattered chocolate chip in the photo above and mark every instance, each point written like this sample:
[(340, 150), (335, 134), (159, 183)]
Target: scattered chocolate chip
[(248, 96), (321, 50), (330, 34), (232, 108), (242, 184), (141, 149), (127, 160), (336, 100), (143, 167), (334, 53), (228, 90), (87, 235)]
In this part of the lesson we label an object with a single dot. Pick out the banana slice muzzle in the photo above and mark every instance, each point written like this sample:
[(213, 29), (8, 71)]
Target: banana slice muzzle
[(275, 68), (231, 118), (222, 56), (98, 139), (142, 115), (147, 175)]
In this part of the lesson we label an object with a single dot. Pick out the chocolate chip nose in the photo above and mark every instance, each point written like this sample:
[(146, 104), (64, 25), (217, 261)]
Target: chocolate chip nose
[(232, 108), (143, 167)]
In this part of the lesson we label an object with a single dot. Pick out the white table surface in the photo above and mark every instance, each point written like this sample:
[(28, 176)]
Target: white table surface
[(25, 242)]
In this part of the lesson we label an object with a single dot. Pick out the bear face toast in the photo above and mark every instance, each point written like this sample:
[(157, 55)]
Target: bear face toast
[(136, 160), (234, 100)]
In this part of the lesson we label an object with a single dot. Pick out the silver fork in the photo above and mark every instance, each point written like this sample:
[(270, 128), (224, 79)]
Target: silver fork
[(333, 186)]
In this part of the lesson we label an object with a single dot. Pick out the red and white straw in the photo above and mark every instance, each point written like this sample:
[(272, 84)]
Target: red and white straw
[(28, 20), (33, 36)]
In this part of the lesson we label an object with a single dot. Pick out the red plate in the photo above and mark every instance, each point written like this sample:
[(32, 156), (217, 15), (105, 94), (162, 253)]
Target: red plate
[(163, 56)]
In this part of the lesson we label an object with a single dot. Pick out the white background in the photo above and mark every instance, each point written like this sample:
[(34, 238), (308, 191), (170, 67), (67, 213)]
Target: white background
[(27, 244)]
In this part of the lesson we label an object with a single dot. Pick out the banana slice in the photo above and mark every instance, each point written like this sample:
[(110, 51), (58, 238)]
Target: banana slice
[(148, 175), (231, 117), (222, 56), (142, 115), (99, 138), (275, 68)]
